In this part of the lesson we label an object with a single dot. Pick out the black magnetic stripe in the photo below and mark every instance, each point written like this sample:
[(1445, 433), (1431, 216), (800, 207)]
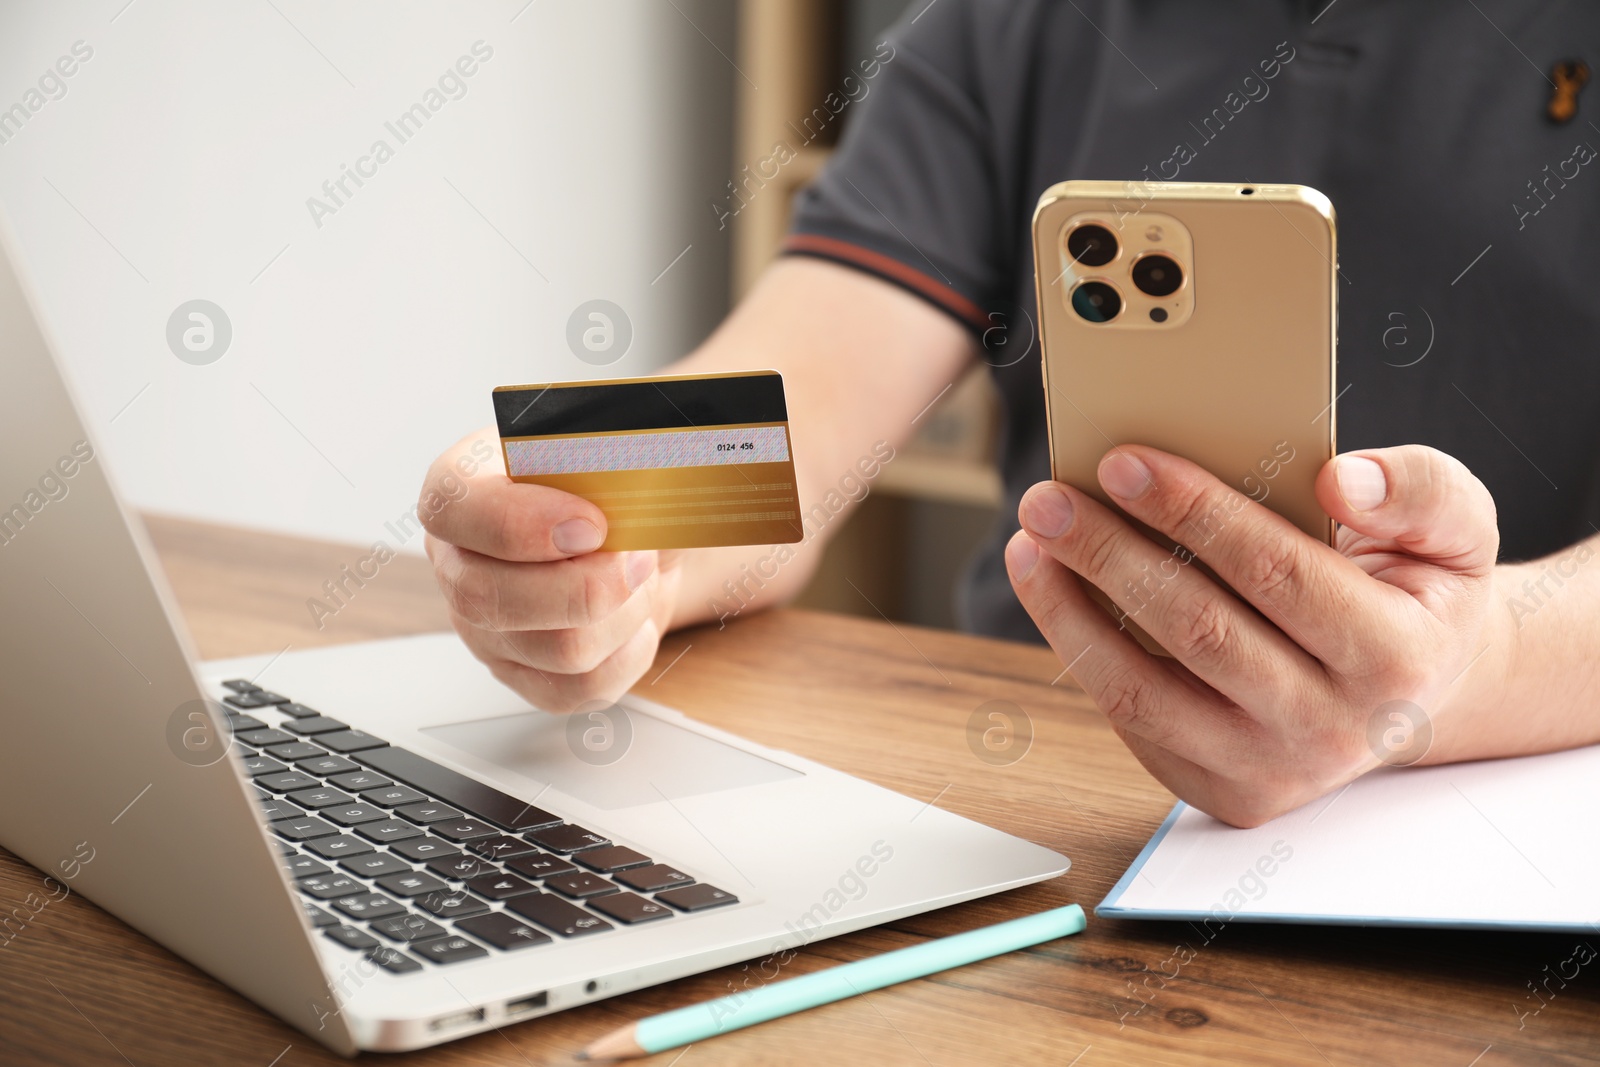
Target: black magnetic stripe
[(672, 405)]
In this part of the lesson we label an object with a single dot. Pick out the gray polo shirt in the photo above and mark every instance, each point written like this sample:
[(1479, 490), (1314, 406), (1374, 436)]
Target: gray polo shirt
[(1469, 245)]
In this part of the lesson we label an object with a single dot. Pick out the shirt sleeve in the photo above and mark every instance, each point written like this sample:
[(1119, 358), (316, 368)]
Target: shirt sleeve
[(910, 195)]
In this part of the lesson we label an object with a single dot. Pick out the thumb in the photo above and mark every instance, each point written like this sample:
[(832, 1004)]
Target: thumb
[(1426, 502)]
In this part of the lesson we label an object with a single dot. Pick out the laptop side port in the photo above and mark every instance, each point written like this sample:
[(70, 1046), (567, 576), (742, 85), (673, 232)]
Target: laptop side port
[(456, 1019), (524, 1005)]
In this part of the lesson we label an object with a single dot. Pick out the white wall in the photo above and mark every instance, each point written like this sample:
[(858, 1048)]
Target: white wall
[(178, 165)]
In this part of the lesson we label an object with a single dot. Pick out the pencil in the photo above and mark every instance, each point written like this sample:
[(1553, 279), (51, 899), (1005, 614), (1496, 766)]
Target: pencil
[(700, 1021)]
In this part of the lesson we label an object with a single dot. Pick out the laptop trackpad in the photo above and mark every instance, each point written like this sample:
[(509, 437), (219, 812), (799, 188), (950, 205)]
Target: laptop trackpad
[(611, 760)]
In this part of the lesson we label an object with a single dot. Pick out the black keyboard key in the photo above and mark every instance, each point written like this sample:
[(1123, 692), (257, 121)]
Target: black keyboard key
[(539, 865), (697, 897), (501, 847), (287, 781), (451, 904), (326, 765), (373, 864), (242, 723), (358, 780), (451, 787), (327, 886), (630, 908), (409, 927), (424, 848), (502, 931), (393, 796), (411, 884), (254, 698), (369, 906), (303, 829), (337, 848), (264, 737), (351, 741), (579, 884), (426, 812), (353, 814), (500, 886), (321, 797), (284, 848), (557, 916), (614, 858), (318, 917), (299, 711), (315, 724), (295, 750), (280, 809), (351, 937), (240, 685), (452, 949), (387, 830), (461, 866), (651, 878), (462, 829), (255, 766), (300, 866), (568, 837), (391, 960)]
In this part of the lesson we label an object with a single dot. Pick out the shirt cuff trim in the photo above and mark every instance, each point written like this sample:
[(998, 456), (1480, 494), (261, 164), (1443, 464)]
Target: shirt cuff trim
[(891, 269)]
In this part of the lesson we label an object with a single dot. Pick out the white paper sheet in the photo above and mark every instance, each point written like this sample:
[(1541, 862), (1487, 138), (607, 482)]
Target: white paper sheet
[(1502, 843)]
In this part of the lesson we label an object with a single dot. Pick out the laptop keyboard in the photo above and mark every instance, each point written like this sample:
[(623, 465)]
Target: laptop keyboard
[(408, 861)]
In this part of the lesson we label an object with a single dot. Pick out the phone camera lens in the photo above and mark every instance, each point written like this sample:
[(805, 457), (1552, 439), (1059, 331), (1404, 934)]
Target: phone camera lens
[(1096, 301), (1091, 245), (1157, 275)]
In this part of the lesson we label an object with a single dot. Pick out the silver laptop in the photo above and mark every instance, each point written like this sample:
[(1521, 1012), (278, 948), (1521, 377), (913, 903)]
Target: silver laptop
[(377, 842)]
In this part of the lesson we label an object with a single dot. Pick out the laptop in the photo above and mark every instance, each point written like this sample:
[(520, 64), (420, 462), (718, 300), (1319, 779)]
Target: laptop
[(377, 842)]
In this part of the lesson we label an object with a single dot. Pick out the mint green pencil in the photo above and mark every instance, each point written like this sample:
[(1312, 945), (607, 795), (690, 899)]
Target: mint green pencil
[(687, 1025)]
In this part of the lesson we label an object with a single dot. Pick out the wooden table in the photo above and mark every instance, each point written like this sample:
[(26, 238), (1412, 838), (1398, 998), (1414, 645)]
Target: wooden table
[(890, 704)]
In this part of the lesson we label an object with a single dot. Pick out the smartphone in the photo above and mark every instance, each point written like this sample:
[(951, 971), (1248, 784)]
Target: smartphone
[(1199, 318)]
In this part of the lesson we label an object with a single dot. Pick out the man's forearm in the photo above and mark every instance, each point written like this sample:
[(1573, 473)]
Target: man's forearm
[(718, 584), (1541, 693)]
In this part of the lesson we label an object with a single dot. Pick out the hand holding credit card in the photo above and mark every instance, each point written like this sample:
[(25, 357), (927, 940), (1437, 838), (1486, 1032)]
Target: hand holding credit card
[(683, 461)]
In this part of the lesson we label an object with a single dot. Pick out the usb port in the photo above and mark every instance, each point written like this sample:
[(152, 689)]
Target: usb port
[(455, 1019), (523, 1005)]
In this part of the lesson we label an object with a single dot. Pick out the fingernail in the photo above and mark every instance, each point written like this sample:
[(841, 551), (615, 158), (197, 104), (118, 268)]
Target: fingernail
[(575, 536), (1361, 482), (1021, 554), (1124, 476), (641, 565), (1046, 511)]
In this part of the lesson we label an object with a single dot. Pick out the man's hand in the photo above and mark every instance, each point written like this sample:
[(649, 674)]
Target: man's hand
[(552, 618), (1282, 666)]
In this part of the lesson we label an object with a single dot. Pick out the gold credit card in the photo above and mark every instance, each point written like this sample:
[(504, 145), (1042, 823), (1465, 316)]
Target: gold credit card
[(685, 461)]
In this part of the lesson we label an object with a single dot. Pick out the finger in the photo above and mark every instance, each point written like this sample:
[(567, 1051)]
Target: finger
[(564, 693), (1194, 618), (577, 649), (496, 595), (1238, 801), (1307, 589), (1137, 691), (1428, 504), (468, 500)]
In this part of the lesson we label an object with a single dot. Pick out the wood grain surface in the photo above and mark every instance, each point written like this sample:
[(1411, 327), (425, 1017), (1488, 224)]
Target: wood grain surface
[(891, 704)]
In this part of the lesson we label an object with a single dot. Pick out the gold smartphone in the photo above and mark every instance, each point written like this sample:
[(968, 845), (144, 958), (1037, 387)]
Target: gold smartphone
[(1197, 318)]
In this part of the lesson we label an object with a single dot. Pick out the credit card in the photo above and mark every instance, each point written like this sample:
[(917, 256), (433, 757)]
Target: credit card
[(684, 461)]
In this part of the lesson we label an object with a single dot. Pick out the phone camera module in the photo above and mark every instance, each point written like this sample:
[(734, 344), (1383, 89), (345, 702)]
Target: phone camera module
[(1092, 245), (1096, 301), (1157, 275)]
